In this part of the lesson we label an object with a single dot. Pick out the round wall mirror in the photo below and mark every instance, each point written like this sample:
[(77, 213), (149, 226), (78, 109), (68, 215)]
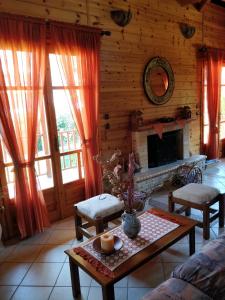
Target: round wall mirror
[(158, 80)]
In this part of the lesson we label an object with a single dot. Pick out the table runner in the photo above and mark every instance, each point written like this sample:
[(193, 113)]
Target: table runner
[(153, 227)]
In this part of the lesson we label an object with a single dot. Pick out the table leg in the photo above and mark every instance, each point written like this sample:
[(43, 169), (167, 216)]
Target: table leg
[(75, 279), (108, 292), (192, 241)]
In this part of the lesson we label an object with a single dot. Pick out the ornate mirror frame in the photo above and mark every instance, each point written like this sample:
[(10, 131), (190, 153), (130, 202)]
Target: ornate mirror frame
[(163, 63)]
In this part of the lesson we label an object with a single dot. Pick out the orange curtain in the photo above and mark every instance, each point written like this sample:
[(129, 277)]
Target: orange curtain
[(21, 90), (78, 48), (213, 64)]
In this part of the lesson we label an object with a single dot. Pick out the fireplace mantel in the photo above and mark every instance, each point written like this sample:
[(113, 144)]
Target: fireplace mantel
[(160, 127)]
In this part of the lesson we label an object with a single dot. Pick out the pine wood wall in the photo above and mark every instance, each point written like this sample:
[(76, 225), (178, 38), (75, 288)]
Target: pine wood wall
[(153, 31)]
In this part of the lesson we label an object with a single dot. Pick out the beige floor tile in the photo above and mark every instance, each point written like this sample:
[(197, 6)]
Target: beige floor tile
[(13, 273), (24, 253), (218, 231), (62, 236), (65, 280), (149, 275), (199, 236), (65, 293), (67, 223), (42, 274), (34, 293), (52, 253), (6, 292), (137, 293), (95, 293), (38, 239), (5, 252), (176, 253)]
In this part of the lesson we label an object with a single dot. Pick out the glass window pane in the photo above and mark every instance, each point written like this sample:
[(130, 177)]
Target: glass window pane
[(43, 170), (68, 136), (10, 178), (206, 134), (42, 147), (24, 60), (223, 75), (70, 167), (57, 73), (222, 106), (222, 130), (206, 114)]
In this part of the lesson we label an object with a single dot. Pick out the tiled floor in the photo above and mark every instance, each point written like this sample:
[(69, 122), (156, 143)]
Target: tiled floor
[(38, 269)]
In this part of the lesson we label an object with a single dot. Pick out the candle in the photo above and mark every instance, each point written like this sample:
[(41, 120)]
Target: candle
[(107, 242)]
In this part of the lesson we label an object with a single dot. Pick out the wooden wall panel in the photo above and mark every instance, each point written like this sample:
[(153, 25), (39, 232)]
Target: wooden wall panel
[(153, 31)]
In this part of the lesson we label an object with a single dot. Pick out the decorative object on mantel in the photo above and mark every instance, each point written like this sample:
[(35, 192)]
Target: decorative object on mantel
[(184, 112), (158, 80), (187, 30), (136, 119), (121, 17)]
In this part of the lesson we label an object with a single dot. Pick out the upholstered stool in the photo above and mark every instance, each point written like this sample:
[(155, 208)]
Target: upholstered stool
[(96, 211), (201, 197)]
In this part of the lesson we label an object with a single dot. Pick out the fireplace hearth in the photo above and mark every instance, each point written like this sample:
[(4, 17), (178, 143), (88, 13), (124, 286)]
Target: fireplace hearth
[(164, 150)]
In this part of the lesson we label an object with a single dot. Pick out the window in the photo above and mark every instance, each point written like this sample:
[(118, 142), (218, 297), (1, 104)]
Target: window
[(67, 143), (222, 110)]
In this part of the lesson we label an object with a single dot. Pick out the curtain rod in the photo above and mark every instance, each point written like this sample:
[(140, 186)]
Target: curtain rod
[(46, 20)]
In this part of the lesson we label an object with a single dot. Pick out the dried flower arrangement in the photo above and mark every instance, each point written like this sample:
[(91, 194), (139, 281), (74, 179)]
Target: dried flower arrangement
[(121, 182)]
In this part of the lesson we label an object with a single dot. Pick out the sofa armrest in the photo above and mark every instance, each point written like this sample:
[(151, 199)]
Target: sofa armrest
[(206, 269), (176, 289)]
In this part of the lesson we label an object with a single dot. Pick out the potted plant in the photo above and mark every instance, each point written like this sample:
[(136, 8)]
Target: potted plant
[(121, 184), (131, 224)]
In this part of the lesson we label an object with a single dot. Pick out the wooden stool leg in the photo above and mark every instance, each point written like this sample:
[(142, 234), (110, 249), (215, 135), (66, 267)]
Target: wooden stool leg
[(221, 212), (78, 224), (171, 203), (206, 228), (99, 225)]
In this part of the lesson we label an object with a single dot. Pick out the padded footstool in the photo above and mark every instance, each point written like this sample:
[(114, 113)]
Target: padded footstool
[(201, 197), (96, 211)]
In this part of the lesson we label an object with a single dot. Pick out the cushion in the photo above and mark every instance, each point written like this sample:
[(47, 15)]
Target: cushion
[(196, 193), (100, 206), (206, 269), (176, 289)]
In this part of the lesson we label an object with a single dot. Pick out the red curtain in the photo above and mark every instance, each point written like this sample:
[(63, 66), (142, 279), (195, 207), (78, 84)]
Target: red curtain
[(21, 90), (213, 64), (79, 49)]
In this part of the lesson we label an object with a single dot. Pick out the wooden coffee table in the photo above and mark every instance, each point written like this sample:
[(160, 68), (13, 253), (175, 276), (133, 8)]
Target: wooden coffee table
[(134, 262)]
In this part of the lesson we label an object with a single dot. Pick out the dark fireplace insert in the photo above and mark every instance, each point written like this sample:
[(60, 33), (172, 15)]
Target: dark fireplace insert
[(166, 150)]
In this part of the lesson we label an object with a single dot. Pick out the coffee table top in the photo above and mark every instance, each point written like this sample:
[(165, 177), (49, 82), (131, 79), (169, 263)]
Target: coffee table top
[(186, 225)]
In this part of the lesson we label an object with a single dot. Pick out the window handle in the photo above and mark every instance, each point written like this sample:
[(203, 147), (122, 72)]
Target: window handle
[(56, 142)]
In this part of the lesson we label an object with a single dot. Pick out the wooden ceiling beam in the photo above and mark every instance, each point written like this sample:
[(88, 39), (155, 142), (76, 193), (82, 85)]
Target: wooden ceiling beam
[(187, 2), (200, 5)]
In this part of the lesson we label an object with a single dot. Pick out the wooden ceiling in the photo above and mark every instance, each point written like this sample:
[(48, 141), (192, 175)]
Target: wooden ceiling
[(200, 4)]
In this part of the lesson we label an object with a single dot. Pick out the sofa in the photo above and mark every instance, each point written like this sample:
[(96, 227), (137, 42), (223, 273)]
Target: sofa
[(201, 277)]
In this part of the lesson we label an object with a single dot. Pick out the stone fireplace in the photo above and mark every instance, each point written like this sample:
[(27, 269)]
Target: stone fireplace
[(160, 150), (164, 150), (144, 140)]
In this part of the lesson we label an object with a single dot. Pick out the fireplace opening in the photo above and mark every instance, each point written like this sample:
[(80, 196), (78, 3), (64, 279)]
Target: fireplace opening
[(166, 150)]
